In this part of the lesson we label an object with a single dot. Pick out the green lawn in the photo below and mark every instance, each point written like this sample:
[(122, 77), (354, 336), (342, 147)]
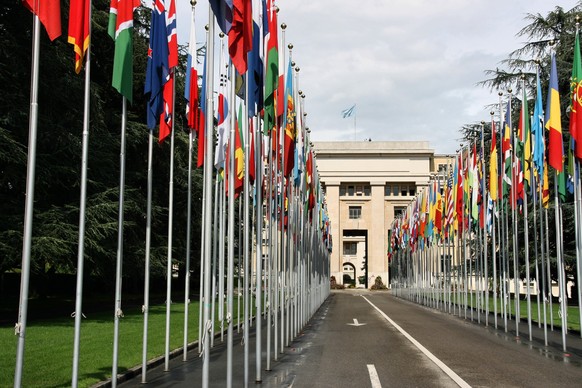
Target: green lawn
[(49, 345)]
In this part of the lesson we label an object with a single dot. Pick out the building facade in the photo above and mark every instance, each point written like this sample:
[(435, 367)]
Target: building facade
[(367, 184)]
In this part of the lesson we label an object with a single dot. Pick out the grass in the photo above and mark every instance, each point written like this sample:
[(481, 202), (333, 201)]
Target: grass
[(573, 312), (48, 355)]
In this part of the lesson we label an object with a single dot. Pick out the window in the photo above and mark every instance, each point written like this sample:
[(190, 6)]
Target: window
[(400, 189), (352, 189), (350, 248), (355, 212), (399, 210)]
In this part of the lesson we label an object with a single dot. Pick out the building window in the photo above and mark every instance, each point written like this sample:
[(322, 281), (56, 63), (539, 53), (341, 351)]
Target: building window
[(399, 211), (400, 189), (352, 190), (355, 212), (350, 248)]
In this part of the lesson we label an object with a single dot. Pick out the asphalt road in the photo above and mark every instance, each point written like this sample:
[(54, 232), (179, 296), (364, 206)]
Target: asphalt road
[(373, 339)]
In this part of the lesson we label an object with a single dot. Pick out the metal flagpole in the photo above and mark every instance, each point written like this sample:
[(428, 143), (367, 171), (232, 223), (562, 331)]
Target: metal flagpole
[(148, 239), (259, 250), (485, 205), (170, 225), (188, 233), (230, 270), (560, 262), (207, 224), (493, 236), (82, 205), (20, 329), (118, 313), (189, 204), (513, 199)]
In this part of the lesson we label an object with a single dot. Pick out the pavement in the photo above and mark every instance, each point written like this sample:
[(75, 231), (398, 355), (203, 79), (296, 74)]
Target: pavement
[(328, 351)]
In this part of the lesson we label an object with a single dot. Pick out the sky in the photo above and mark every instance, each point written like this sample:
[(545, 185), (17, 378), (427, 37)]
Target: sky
[(411, 67)]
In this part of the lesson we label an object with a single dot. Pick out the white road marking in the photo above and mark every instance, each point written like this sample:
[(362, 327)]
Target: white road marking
[(356, 323), (374, 379), (455, 377)]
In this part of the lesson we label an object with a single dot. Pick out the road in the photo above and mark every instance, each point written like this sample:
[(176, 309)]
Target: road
[(373, 339)]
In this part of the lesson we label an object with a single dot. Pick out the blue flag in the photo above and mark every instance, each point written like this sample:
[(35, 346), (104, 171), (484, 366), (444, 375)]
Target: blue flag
[(157, 72), (223, 12), (348, 112)]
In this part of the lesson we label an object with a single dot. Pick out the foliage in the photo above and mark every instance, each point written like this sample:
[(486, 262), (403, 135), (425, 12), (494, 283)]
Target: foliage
[(55, 237), (378, 284), (333, 284)]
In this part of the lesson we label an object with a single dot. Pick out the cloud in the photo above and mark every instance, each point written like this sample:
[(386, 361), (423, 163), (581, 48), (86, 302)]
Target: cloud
[(411, 66)]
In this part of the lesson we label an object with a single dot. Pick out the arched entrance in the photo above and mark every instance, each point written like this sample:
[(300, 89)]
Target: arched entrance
[(349, 274)]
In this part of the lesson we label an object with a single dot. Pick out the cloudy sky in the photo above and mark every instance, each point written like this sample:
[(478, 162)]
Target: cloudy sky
[(410, 66)]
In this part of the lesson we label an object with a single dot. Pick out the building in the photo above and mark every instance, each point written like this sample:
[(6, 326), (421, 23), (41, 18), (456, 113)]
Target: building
[(366, 185)]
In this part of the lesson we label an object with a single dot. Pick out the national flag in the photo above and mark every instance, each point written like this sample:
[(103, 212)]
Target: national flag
[(158, 70), (553, 121), (240, 36), (290, 124), (527, 148), (546, 187), (49, 13), (223, 127), (493, 164), (272, 71), (79, 25), (349, 111), (167, 116), (506, 150), (474, 184), (239, 156), (222, 10), (576, 94), (121, 31), (255, 60), (191, 86), (537, 131), (200, 135), (171, 26)]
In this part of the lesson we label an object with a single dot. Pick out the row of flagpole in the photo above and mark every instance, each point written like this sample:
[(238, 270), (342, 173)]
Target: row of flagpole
[(290, 243), (439, 248)]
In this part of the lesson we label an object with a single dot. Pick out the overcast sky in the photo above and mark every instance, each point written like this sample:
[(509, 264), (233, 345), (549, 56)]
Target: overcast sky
[(410, 66)]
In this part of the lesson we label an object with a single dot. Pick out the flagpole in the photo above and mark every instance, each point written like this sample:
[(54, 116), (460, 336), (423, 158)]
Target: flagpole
[(230, 270), (82, 206), (207, 224), (118, 313), (20, 328), (524, 140), (189, 208), (148, 239)]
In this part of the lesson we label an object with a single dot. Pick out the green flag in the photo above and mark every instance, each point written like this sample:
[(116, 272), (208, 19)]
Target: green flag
[(121, 30)]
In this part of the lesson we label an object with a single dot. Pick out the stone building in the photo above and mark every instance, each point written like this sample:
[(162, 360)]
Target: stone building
[(366, 184)]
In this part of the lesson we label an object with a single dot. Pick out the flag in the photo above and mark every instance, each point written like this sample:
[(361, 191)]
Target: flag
[(576, 94), (223, 128), (239, 156), (349, 112), (537, 131), (79, 25), (167, 114), (191, 86), (493, 174), (290, 124), (272, 71), (222, 10), (158, 70), (527, 152), (121, 31), (474, 183), (240, 36), (255, 60), (553, 121), (49, 13), (506, 149), (200, 135)]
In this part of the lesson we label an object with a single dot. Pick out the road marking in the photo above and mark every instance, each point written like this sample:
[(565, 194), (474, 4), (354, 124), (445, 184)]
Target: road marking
[(374, 379), (456, 378), (356, 323)]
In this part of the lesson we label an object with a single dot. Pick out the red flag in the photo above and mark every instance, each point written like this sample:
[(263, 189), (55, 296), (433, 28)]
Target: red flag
[(49, 13), (79, 24), (168, 114), (240, 35)]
